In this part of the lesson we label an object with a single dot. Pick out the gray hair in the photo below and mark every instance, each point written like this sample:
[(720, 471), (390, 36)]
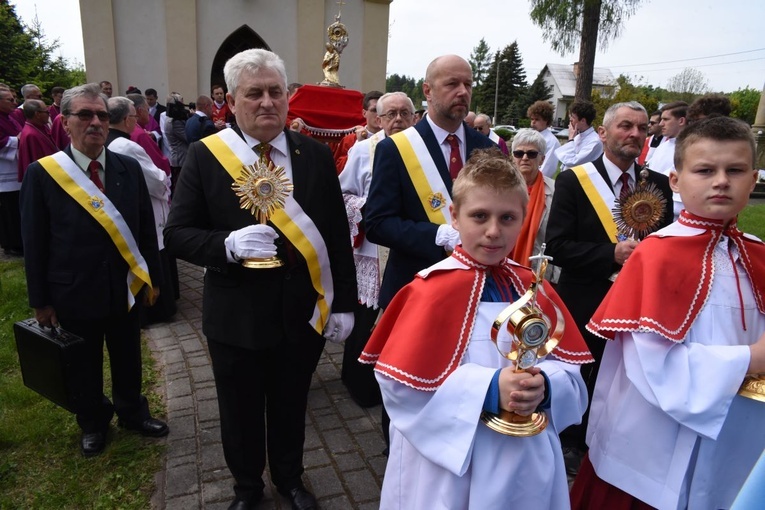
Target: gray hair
[(251, 61), (485, 118), (138, 100), (174, 97), (527, 136), (381, 106), (119, 109), (89, 91), (29, 87), (31, 107), (608, 117)]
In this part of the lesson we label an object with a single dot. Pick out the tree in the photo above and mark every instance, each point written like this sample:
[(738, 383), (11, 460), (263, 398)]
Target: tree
[(512, 84), (565, 23), (688, 84), (28, 56), (407, 85), (480, 62), (627, 91), (744, 103)]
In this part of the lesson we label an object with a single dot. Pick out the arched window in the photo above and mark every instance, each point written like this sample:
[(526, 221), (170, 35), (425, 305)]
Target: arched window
[(243, 38)]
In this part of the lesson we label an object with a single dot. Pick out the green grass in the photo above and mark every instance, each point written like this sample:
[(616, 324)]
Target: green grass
[(40, 462), (752, 220)]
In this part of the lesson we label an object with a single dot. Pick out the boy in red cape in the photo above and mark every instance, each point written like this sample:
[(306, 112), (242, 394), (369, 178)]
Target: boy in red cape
[(439, 370), (686, 319)]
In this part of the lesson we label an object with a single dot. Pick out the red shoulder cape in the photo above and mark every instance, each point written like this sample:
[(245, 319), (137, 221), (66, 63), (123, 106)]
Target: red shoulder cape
[(667, 280), (424, 333)]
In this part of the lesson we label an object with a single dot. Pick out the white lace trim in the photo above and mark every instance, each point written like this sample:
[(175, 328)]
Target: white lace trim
[(353, 205), (368, 280)]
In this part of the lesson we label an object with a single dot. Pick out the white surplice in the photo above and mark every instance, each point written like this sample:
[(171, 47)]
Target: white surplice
[(443, 457), (666, 424)]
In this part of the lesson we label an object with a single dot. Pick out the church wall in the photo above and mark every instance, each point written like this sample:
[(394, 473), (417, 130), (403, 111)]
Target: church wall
[(170, 45)]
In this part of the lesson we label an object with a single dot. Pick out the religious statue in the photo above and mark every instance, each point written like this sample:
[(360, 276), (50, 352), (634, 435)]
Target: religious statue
[(338, 40)]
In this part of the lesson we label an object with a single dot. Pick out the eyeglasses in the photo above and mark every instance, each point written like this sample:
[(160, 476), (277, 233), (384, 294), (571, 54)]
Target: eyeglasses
[(530, 154), (87, 115), (391, 115)]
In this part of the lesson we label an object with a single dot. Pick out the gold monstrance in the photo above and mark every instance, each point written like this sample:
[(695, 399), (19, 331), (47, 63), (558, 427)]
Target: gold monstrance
[(532, 337), (640, 212), (262, 188)]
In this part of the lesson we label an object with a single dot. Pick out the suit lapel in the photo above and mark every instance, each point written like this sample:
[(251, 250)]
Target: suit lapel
[(300, 171), (115, 177)]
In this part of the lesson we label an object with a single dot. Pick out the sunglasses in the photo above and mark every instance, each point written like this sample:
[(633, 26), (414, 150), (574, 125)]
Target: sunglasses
[(87, 115), (530, 154)]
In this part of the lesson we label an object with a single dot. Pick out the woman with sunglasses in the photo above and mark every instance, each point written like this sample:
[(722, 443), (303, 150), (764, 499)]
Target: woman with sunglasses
[(528, 151)]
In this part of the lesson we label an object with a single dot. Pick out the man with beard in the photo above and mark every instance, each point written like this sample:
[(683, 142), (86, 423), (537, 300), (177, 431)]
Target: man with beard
[(584, 244), (410, 193), (411, 188)]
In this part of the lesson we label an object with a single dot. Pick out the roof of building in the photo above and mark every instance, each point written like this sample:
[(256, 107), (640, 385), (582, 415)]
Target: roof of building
[(564, 77)]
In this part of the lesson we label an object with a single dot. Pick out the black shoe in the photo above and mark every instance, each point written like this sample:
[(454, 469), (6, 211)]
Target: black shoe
[(244, 504), (572, 459), (150, 428), (301, 499), (92, 443)]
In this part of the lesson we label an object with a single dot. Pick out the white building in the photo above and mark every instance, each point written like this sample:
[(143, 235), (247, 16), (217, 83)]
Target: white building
[(562, 78)]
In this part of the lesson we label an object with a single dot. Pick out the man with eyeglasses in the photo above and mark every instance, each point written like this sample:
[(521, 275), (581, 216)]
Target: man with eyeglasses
[(35, 140), (396, 113), (10, 222), (482, 124), (91, 259), (584, 242), (369, 111)]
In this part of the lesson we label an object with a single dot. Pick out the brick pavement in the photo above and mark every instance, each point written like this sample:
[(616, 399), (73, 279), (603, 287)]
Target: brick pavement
[(344, 443)]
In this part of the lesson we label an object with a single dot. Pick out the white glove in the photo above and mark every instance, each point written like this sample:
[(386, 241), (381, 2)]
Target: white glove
[(251, 242), (448, 237), (339, 327)]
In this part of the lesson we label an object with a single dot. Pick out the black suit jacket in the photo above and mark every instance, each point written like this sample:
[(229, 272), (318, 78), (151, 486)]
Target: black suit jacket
[(158, 111), (394, 214), (71, 262), (257, 308), (580, 245), (197, 127)]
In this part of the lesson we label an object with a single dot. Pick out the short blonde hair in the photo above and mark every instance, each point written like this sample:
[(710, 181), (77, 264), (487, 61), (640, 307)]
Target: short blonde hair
[(489, 168)]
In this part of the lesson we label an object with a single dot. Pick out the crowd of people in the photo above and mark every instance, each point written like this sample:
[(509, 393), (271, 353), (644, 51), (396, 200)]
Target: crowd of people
[(406, 240)]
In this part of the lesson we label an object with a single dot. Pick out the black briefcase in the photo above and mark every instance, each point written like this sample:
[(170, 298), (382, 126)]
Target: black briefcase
[(51, 362)]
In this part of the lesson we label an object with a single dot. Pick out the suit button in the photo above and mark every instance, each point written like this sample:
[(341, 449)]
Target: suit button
[(287, 276)]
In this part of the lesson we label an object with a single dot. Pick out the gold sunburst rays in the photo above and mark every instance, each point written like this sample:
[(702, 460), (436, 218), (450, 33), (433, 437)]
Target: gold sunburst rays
[(262, 188), (640, 212)]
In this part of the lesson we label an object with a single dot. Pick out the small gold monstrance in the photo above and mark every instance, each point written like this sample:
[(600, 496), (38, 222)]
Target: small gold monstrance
[(753, 387), (532, 337), (639, 213), (262, 188)]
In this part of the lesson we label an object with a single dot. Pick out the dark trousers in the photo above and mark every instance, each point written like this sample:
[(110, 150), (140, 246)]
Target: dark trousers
[(10, 221), (122, 335), (359, 378), (262, 397)]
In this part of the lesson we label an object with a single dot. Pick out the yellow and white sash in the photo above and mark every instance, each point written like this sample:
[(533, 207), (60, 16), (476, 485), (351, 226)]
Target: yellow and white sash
[(232, 153), (77, 185), (423, 172), (600, 194)]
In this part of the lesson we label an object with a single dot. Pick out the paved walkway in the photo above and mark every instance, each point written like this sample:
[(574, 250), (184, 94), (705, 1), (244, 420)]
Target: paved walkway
[(344, 443)]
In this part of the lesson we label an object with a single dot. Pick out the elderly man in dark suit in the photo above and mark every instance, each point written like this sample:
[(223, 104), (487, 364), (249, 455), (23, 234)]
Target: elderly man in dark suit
[(408, 205), (264, 326), (583, 243), (91, 257)]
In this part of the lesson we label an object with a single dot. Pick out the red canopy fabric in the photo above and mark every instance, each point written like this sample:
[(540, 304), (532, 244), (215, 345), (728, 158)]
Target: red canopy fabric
[(329, 113)]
